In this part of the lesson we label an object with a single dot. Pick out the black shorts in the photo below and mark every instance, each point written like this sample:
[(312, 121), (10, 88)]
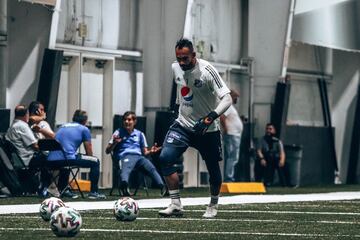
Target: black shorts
[(178, 139)]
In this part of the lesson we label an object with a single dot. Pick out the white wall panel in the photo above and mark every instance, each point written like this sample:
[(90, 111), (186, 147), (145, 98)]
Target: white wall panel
[(92, 92), (121, 92)]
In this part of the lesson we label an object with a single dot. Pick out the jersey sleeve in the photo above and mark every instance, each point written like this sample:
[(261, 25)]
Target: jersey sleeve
[(177, 75), (143, 142), (86, 135), (215, 81), (228, 111)]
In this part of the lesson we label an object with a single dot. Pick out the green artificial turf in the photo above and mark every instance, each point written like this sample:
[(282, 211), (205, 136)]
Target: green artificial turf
[(289, 220), (310, 220)]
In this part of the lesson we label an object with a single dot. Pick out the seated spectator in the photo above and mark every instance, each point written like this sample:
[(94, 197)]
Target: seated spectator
[(42, 130), (129, 147), (24, 141), (39, 125), (71, 136)]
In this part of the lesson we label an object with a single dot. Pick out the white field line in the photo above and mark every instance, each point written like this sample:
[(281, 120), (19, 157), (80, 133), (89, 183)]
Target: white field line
[(206, 220), (190, 232), (159, 203), (281, 212)]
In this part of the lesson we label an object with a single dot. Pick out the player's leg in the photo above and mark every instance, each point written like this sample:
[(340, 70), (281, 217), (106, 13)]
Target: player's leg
[(174, 145), (210, 149)]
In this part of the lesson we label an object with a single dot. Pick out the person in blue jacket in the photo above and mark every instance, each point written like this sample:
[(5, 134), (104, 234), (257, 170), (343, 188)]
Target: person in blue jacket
[(130, 148)]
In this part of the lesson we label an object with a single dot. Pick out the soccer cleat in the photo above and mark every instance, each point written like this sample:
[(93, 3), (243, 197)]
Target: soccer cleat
[(96, 195), (172, 210), (211, 211)]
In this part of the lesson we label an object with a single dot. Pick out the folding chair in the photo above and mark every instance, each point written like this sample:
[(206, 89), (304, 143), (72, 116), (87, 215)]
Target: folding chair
[(116, 180), (53, 145)]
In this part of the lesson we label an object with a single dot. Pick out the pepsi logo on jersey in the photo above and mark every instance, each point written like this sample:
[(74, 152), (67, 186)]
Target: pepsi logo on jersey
[(187, 94)]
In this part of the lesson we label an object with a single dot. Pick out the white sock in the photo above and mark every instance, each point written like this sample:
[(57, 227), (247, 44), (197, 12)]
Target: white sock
[(175, 197)]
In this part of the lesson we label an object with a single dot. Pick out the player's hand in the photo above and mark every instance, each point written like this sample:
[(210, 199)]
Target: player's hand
[(154, 149), (202, 125)]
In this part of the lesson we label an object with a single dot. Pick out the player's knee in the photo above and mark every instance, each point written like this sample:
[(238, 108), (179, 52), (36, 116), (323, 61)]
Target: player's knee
[(166, 158), (166, 163)]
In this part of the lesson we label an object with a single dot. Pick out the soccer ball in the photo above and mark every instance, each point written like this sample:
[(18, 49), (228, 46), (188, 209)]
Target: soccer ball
[(48, 206), (126, 209), (65, 222)]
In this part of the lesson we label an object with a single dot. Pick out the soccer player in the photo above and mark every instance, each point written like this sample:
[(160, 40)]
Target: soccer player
[(202, 97)]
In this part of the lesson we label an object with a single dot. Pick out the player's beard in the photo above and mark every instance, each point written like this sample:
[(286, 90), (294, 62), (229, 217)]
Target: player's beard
[(186, 67)]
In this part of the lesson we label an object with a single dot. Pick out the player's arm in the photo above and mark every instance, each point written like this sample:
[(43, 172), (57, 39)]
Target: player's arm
[(203, 124), (224, 104), (220, 89)]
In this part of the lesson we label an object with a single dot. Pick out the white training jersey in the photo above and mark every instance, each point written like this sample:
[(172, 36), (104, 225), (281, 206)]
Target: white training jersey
[(233, 122), (199, 91)]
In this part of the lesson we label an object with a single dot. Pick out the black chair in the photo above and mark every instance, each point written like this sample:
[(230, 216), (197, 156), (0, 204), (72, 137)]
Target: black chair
[(53, 145), (136, 179), (13, 169)]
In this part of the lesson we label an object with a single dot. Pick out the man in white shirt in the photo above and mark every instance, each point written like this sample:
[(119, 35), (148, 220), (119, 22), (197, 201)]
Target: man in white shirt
[(202, 97), (21, 135), (232, 129), (22, 138)]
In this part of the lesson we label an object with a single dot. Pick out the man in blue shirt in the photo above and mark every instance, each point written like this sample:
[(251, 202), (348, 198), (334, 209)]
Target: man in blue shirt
[(71, 136), (130, 148)]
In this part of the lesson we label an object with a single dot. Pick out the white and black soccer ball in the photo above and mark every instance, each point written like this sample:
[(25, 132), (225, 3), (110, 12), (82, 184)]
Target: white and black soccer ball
[(65, 222), (48, 206), (126, 209)]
